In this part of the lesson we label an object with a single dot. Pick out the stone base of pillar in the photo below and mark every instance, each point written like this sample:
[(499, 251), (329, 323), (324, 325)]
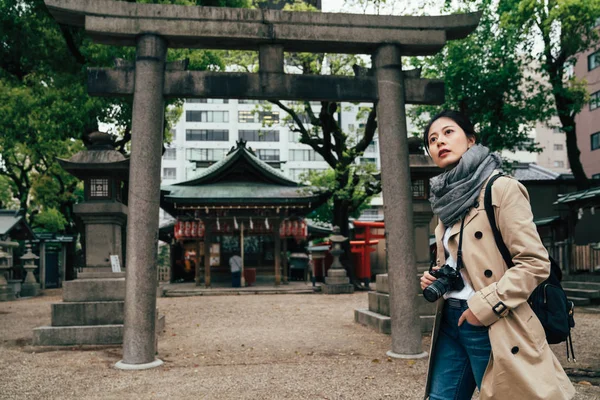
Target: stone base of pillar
[(7, 293), (138, 367), (407, 356), (337, 282), (377, 316), (30, 289)]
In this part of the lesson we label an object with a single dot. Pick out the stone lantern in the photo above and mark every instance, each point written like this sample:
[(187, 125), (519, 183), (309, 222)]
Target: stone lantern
[(337, 281), (103, 171), (30, 287), (6, 293)]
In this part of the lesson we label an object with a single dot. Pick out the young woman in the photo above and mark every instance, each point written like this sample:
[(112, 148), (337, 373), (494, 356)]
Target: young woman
[(485, 333)]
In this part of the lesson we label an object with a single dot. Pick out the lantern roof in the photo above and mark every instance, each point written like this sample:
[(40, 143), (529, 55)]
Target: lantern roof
[(99, 159)]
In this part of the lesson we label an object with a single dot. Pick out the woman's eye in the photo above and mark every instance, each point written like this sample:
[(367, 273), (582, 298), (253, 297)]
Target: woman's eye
[(432, 140), (449, 131)]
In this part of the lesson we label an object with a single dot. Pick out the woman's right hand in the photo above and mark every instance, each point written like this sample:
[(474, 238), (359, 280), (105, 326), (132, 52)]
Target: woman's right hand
[(427, 279)]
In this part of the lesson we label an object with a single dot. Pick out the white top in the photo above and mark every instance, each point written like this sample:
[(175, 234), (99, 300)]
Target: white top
[(467, 291), (235, 263)]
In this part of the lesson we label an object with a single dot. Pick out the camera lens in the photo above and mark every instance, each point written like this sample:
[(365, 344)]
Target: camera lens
[(435, 290)]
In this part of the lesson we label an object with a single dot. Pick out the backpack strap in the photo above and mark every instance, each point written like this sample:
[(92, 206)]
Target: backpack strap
[(489, 210)]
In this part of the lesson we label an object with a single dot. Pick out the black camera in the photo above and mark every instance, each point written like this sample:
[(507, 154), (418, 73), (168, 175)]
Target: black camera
[(447, 278)]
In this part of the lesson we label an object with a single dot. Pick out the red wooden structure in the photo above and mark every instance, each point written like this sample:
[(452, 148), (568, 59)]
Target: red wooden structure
[(363, 248)]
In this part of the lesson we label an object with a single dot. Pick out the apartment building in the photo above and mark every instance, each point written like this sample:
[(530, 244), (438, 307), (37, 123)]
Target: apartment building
[(553, 142), (588, 120), (209, 128)]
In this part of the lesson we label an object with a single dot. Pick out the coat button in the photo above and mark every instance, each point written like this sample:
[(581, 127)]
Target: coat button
[(487, 273), (514, 350), (478, 235), (476, 204)]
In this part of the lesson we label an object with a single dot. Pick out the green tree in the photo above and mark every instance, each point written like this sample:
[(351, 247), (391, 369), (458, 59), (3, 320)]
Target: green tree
[(514, 70), (566, 28), (484, 77), (45, 111)]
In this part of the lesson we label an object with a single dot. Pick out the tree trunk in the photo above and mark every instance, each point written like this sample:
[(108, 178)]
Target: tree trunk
[(573, 153)]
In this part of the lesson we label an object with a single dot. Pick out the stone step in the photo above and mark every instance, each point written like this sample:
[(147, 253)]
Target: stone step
[(84, 335), (582, 278), (88, 313), (382, 283), (579, 301), (73, 335), (581, 285), (86, 290), (100, 275), (587, 293), (382, 323), (380, 303)]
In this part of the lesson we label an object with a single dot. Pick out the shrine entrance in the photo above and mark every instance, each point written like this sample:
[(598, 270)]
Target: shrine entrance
[(152, 28)]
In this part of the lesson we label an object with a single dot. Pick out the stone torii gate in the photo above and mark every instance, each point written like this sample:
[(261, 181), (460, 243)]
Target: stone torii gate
[(152, 28)]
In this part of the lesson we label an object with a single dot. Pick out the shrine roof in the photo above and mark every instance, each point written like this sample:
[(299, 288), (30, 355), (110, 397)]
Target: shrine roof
[(240, 178)]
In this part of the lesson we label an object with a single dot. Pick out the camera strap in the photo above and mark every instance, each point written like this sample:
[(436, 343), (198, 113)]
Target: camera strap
[(459, 261)]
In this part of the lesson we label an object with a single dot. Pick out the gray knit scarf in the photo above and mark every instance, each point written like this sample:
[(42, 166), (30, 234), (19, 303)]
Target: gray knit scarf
[(456, 190)]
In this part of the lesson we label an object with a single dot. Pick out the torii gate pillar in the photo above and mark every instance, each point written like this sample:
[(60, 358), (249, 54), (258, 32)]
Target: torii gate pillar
[(139, 343), (397, 201)]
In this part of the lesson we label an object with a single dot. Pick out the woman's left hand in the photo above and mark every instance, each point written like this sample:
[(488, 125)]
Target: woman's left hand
[(470, 318)]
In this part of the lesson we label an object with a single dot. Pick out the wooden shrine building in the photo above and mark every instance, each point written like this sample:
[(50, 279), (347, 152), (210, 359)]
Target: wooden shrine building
[(238, 206)]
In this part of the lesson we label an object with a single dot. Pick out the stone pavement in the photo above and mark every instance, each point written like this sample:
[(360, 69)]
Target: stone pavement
[(303, 346)]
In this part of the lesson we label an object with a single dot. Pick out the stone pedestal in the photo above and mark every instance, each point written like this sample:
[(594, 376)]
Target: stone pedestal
[(377, 316), (92, 313), (336, 282), (6, 292)]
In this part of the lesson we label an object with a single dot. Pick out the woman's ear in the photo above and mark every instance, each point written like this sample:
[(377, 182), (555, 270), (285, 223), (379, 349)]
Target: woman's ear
[(470, 141)]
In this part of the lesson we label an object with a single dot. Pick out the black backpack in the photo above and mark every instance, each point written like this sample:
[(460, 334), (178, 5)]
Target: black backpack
[(548, 301)]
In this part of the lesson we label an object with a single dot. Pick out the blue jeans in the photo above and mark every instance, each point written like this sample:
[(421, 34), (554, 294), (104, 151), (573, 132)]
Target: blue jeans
[(460, 357)]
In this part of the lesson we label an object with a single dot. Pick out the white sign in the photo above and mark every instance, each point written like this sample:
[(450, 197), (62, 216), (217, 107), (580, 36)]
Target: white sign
[(114, 263)]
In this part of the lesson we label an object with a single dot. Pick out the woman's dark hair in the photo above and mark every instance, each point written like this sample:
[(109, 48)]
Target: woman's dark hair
[(461, 120)]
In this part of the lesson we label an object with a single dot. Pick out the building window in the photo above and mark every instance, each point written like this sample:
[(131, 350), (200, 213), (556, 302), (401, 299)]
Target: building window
[(207, 116), (367, 160), (246, 117), (559, 164), (173, 134), (293, 137), (206, 135), (595, 100), (99, 188), (594, 60), (169, 173), (558, 146), (268, 154), (267, 117), (372, 147), (208, 101), (170, 154), (304, 155), (255, 135), (296, 174), (595, 141), (247, 101), (205, 154), (596, 22), (419, 189)]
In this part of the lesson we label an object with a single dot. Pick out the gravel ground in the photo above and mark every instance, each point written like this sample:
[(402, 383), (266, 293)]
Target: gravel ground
[(238, 347)]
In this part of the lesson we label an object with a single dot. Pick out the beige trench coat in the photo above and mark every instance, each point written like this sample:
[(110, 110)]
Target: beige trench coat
[(522, 365)]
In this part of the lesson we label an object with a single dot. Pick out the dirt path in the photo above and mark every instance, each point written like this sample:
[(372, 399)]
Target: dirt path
[(233, 347)]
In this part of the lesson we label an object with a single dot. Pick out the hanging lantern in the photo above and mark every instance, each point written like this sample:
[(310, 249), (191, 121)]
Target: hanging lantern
[(188, 229), (194, 231)]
